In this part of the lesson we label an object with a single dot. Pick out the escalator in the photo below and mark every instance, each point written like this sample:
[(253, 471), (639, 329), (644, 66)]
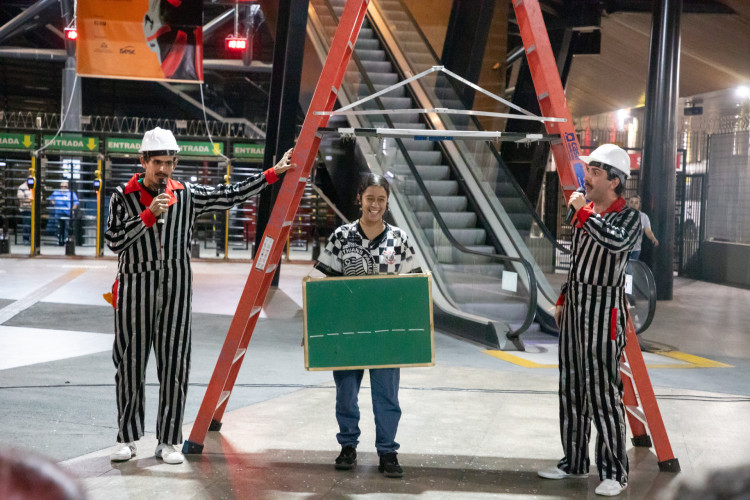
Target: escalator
[(450, 196), (473, 225)]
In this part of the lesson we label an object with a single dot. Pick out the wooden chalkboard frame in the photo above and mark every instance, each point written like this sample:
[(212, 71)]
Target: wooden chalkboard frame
[(388, 341)]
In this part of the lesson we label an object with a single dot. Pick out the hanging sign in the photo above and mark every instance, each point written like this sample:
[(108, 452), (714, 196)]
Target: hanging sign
[(140, 39), (192, 148), (71, 143), (250, 151), (17, 141), (123, 145)]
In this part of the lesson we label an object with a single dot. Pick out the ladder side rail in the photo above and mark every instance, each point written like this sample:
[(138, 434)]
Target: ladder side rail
[(550, 93), (645, 392), (284, 209)]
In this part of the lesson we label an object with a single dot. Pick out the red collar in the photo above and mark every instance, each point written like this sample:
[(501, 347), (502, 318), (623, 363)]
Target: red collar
[(133, 185), (616, 206)]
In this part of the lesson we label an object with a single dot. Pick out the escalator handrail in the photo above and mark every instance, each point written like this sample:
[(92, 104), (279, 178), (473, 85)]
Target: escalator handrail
[(501, 164), (532, 288)]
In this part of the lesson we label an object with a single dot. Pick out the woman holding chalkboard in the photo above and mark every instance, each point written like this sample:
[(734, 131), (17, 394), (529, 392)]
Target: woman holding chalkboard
[(368, 246)]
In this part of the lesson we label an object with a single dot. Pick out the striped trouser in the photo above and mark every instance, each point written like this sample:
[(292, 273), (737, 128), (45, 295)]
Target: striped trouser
[(592, 337), (153, 309)]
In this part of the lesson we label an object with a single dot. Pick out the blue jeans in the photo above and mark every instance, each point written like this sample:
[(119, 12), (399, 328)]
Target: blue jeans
[(384, 388)]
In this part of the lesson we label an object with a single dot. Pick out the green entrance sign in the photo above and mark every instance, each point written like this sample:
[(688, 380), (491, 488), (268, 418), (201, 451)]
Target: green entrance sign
[(250, 151), (116, 145), (192, 148), (17, 142), (72, 143)]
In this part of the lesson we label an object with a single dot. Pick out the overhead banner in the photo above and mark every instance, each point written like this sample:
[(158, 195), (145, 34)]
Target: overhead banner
[(140, 39)]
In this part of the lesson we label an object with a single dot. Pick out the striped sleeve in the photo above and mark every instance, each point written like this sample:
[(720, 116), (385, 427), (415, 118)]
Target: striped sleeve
[(617, 234), (225, 196), (122, 231)]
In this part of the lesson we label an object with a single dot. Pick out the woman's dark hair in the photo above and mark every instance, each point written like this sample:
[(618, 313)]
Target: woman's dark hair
[(374, 180)]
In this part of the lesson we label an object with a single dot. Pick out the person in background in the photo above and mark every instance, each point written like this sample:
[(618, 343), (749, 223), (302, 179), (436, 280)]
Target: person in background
[(150, 228), (368, 246), (24, 204), (61, 217), (634, 202), (591, 314)]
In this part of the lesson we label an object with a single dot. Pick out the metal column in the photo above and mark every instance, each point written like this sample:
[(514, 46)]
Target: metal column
[(658, 170)]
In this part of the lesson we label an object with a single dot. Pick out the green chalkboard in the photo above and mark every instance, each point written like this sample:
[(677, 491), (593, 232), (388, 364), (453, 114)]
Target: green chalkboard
[(368, 322)]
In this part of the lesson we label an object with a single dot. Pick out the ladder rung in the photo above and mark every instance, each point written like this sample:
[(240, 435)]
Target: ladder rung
[(351, 45), (238, 355), (517, 3), (335, 91), (286, 223), (625, 370), (303, 179), (543, 95), (531, 49), (255, 311), (271, 269), (224, 397), (637, 412)]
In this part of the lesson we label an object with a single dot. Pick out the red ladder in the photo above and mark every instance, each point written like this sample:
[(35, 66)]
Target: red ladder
[(269, 253), (552, 102)]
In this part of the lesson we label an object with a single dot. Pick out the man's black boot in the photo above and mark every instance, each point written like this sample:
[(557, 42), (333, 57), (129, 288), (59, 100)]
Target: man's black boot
[(347, 459), (389, 465)]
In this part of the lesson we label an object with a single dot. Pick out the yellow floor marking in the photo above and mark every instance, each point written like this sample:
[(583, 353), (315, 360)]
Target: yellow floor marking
[(517, 360), (691, 361), (695, 361)]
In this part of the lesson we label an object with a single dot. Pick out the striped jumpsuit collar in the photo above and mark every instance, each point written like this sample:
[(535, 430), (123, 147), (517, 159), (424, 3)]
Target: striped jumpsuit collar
[(133, 185)]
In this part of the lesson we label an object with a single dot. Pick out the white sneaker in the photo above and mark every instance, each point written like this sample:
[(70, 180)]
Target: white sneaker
[(610, 488), (555, 473), (125, 452), (167, 453)]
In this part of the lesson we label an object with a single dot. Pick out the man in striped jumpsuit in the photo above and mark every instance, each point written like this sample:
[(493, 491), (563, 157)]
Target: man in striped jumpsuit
[(150, 228), (591, 314)]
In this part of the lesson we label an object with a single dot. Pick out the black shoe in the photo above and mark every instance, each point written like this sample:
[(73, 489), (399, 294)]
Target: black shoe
[(347, 459), (389, 465)]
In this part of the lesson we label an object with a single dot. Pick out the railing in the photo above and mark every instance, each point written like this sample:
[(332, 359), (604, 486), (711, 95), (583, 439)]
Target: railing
[(229, 128)]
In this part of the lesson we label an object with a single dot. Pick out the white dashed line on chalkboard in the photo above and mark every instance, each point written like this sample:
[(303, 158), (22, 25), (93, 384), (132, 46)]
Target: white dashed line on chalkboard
[(335, 334)]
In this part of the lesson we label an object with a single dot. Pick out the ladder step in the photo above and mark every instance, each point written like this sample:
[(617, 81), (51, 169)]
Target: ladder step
[(223, 398), (271, 269), (255, 311), (335, 91), (625, 370), (238, 355), (637, 412)]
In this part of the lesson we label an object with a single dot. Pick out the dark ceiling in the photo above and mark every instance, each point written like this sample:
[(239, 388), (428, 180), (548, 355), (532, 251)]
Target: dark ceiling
[(715, 48)]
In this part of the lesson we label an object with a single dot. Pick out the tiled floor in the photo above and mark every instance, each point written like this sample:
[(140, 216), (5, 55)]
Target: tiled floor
[(477, 425)]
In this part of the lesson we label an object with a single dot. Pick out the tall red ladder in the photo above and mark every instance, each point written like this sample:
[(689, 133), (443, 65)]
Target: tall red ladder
[(639, 399), (269, 253)]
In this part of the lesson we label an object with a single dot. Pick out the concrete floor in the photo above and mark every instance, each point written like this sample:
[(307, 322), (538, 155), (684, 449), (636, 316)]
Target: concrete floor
[(477, 425)]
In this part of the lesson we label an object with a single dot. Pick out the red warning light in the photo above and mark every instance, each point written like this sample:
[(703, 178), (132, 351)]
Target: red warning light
[(71, 33), (235, 43)]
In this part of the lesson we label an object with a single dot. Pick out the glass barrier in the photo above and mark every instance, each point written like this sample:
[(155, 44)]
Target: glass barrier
[(470, 273)]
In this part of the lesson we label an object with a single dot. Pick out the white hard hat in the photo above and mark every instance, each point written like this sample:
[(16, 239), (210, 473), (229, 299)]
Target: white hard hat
[(609, 156), (159, 142)]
